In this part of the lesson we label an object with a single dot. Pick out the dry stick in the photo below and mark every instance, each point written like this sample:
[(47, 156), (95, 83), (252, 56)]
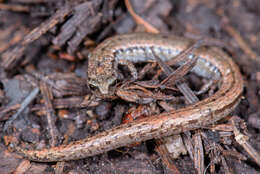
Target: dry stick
[(17, 36), (227, 170), (183, 87), (241, 42), (24, 104), (243, 141), (4, 110), (41, 77), (163, 150), (47, 96), (166, 157), (82, 22), (11, 58), (149, 28), (184, 55), (175, 76), (71, 102), (180, 72), (198, 152), (51, 118), (75, 102), (188, 143), (61, 84), (12, 7)]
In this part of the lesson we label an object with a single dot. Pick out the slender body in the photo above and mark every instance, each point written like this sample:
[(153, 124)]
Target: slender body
[(136, 47)]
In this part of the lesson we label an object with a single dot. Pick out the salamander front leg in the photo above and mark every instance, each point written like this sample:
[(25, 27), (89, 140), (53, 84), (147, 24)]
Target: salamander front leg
[(130, 66)]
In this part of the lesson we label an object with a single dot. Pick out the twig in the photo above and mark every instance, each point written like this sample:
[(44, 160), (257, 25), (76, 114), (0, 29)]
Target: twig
[(139, 20), (243, 141), (71, 102), (198, 153), (16, 8), (166, 158), (227, 169), (11, 58), (47, 96), (241, 42), (181, 85), (24, 104), (4, 110)]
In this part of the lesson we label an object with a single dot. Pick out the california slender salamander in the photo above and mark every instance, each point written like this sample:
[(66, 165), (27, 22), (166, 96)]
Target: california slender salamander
[(212, 63)]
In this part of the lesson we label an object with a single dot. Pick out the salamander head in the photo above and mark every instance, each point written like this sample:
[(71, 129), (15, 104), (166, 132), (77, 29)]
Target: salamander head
[(101, 73)]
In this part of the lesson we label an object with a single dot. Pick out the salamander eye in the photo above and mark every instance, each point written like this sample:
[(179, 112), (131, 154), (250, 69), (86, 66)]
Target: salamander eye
[(92, 84)]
